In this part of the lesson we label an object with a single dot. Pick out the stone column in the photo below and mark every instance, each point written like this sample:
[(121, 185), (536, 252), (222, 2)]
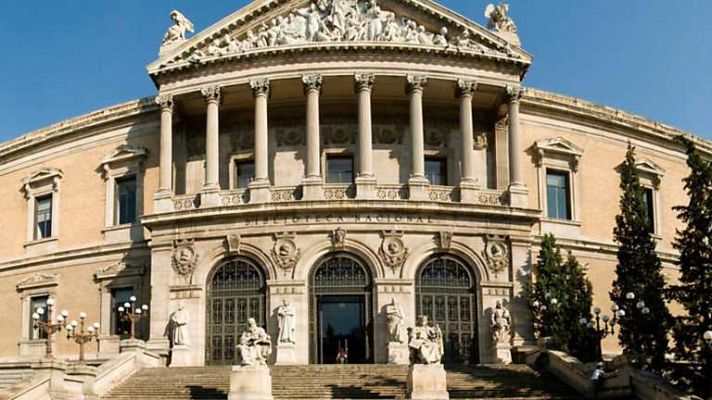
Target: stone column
[(162, 198), (259, 187), (418, 183), (312, 185), (209, 195), (518, 191), (468, 182), (366, 180)]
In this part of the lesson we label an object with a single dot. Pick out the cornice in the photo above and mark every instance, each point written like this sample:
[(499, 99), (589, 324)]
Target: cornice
[(552, 103)]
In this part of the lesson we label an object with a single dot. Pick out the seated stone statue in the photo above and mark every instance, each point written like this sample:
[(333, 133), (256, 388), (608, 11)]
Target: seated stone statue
[(425, 343), (255, 345)]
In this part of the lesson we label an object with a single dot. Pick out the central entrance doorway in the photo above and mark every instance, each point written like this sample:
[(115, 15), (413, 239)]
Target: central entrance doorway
[(341, 315)]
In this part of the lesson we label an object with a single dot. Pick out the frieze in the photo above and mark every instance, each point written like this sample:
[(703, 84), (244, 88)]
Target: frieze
[(375, 218)]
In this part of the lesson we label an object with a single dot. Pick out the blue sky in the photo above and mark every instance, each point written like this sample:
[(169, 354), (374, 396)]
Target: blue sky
[(651, 57)]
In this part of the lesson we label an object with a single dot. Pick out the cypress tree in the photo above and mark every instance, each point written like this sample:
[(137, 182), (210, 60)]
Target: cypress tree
[(643, 336), (546, 291), (582, 343), (694, 292)]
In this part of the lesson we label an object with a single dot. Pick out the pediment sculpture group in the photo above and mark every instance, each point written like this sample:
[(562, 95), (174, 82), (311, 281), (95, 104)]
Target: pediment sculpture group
[(334, 21)]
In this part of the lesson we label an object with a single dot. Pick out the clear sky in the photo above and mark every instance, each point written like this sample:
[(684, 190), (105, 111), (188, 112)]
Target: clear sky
[(60, 59)]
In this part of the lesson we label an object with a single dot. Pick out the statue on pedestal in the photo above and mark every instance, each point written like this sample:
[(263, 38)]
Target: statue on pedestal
[(177, 329), (394, 320), (500, 324), (285, 315), (425, 343), (255, 345)]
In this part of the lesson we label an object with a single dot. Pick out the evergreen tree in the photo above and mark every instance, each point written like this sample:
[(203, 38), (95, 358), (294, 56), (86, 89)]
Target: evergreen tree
[(582, 343), (643, 336), (694, 242), (546, 291)]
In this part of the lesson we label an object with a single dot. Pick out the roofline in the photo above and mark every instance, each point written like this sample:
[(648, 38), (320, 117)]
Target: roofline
[(532, 97)]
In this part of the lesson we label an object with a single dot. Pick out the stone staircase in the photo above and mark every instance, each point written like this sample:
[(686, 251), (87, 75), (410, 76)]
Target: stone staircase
[(314, 382), (11, 375)]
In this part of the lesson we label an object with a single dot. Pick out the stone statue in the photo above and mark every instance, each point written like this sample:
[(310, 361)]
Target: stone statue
[(425, 343), (500, 323), (178, 326), (181, 25), (285, 315), (394, 319), (498, 19), (255, 345)]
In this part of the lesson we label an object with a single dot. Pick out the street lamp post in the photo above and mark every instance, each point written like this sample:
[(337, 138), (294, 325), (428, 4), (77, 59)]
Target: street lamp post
[(132, 314), (49, 327), (76, 331), (603, 325), (707, 355)]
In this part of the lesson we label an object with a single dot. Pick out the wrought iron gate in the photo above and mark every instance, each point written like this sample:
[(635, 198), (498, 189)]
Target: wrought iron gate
[(445, 292), (236, 292)]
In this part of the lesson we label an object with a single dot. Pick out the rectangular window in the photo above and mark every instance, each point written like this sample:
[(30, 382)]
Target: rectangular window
[(339, 169), (244, 173), (436, 171), (557, 195), (119, 296), (648, 200), (37, 303), (126, 200), (43, 217)]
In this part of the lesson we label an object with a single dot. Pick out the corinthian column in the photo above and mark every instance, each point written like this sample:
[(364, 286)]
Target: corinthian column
[(468, 182), (518, 191), (212, 97), (312, 184), (418, 182), (259, 187), (165, 178), (366, 181)]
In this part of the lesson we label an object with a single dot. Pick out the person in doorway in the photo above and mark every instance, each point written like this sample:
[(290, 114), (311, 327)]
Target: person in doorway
[(342, 357)]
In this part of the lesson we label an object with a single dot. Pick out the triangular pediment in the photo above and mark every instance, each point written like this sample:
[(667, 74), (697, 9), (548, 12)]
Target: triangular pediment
[(124, 152), (559, 145), (42, 175), (645, 165), (266, 26)]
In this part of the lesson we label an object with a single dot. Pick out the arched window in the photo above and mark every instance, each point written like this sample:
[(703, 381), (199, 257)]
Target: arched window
[(445, 292), (236, 292)]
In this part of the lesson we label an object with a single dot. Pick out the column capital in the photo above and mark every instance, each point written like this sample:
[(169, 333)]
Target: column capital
[(212, 94), (514, 93), (415, 83), (465, 88), (311, 82), (165, 101), (260, 87), (364, 81)]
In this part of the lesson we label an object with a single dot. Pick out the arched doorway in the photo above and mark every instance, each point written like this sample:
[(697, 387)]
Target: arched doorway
[(445, 292), (341, 312), (236, 291)]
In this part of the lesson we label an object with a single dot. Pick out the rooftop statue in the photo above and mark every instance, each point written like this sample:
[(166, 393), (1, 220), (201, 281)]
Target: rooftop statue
[(498, 19), (181, 25)]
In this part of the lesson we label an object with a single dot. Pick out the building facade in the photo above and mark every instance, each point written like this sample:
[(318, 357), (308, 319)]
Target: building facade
[(338, 155)]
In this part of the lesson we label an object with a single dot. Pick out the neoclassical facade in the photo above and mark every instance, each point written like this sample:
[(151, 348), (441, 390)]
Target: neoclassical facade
[(339, 156)]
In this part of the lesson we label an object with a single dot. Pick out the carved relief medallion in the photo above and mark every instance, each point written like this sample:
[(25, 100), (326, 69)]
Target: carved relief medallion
[(285, 253), (497, 254), (185, 259), (393, 251)]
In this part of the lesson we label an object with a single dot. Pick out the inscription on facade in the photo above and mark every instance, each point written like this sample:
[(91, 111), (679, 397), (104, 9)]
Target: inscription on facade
[(376, 218)]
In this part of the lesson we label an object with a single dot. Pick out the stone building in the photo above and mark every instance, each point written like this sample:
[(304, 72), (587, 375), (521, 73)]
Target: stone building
[(332, 153)]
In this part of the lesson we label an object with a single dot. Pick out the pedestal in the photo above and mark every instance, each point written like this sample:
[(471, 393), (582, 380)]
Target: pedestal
[(366, 188), (312, 189), (518, 196), (468, 192), (108, 345), (427, 382), (259, 191), (398, 353), (181, 356), (502, 353), (210, 196), (286, 354), (163, 201), (131, 345), (418, 189), (250, 383)]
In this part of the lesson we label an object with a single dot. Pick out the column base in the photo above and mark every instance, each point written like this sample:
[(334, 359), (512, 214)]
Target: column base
[(313, 188), (210, 196), (366, 188), (286, 354), (469, 190), (418, 188), (502, 353), (398, 353), (163, 201), (518, 195), (427, 382), (259, 191), (250, 383)]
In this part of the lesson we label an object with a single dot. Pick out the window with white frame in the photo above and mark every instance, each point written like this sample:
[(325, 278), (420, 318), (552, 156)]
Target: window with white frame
[(42, 193), (558, 195), (123, 174), (557, 160), (126, 212), (38, 306), (650, 175), (43, 217), (118, 283), (35, 291)]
